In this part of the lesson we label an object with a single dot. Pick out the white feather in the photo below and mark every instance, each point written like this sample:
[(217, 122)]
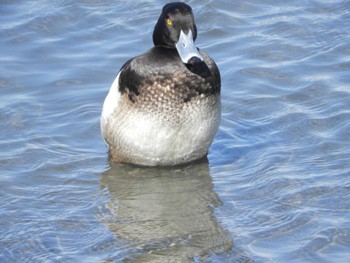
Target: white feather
[(109, 105)]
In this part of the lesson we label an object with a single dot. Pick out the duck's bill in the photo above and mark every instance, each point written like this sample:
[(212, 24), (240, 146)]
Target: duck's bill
[(186, 48)]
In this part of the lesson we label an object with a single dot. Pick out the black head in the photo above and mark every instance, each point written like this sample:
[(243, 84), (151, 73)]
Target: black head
[(176, 29), (174, 18)]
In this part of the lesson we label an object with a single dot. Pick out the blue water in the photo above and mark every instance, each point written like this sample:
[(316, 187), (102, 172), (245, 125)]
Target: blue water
[(276, 187)]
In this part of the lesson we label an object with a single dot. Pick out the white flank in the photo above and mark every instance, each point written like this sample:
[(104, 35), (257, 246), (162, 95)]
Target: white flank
[(110, 104)]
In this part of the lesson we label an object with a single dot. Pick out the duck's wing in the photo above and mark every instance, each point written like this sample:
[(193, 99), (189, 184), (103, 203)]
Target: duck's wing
[(130, 80)]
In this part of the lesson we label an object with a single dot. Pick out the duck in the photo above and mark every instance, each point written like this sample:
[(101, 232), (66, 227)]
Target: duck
[(164, 106)]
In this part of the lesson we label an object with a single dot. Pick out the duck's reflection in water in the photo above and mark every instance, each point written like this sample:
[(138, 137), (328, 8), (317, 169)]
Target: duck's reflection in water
[(167, 213)]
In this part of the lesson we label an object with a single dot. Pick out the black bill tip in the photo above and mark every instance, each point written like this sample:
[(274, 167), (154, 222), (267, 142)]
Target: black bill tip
[(199, 67)]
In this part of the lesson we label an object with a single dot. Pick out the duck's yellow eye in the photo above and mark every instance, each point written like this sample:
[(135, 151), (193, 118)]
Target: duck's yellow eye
[(169, 22)]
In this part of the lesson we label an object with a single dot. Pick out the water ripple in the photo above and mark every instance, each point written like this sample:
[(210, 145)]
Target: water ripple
[(276, 188)]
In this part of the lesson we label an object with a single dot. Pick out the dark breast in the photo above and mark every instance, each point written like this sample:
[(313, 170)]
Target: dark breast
[(159, 79)]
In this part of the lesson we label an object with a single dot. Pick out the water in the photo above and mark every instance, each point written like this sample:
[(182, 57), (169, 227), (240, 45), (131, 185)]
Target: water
[(276, 186)]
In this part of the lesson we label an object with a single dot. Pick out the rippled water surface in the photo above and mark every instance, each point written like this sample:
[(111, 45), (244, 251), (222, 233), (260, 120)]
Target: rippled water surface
[(276, 186)]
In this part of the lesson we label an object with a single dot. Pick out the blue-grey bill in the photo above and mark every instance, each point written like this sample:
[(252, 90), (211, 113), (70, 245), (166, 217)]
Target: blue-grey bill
[(186, 48)]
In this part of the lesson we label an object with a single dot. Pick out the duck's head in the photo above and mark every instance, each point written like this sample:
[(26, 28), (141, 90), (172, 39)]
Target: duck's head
[(176, 29)]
